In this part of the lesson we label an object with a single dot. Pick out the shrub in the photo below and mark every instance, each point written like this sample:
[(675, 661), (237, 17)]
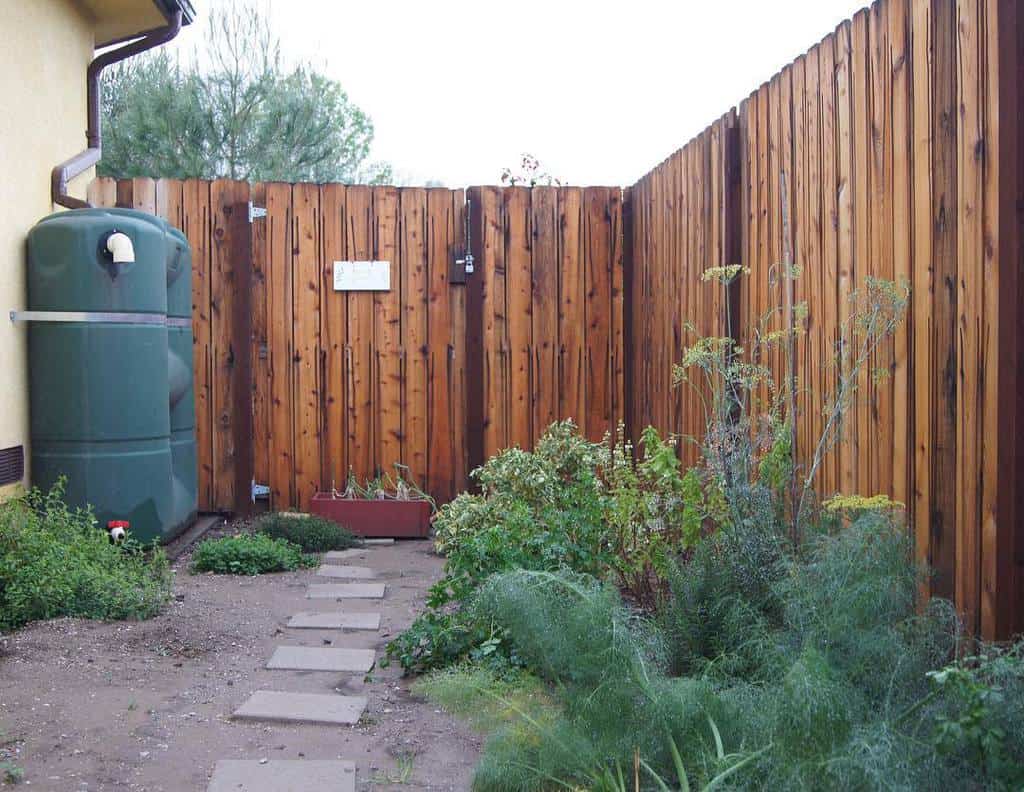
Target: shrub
[(54, 561), (800, 712), (312, 534), (570, 504), (249, 554)]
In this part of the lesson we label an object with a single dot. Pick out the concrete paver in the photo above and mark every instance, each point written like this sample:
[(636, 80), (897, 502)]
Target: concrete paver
[(283, 775), (345, 591), (347, 572), (302, 707), (335, 620), (318, 658)]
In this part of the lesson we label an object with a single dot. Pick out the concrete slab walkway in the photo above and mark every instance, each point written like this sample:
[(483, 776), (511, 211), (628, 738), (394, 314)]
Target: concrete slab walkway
[(317, 658), (302, 707), (283, 775)]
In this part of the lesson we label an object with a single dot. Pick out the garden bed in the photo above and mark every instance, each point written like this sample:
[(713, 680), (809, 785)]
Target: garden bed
[(145, 705)]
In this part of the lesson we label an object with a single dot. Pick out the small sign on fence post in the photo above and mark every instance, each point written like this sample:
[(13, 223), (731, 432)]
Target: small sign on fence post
[(362, 276)]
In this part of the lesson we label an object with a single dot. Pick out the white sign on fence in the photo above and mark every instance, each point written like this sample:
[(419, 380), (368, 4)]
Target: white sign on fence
[(362, 276)]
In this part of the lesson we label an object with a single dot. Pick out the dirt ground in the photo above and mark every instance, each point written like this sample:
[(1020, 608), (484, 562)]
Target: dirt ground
[(146, 705)]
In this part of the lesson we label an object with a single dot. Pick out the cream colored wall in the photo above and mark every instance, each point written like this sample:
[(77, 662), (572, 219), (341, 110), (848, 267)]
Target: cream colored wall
[(47, 46)]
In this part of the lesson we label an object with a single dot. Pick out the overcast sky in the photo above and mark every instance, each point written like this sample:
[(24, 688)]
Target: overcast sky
[(599, 91)]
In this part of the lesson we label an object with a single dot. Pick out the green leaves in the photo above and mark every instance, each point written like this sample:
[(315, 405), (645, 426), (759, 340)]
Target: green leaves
[(249, 554), (313, 534), (55, 561)]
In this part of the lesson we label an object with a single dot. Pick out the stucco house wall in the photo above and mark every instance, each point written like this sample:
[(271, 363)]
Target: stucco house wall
[(47, 47)]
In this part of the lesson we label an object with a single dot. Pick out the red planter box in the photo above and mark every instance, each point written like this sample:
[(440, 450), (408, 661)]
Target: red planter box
[(371, 519)]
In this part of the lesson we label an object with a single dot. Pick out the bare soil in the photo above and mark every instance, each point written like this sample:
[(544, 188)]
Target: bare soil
[(146, 705)]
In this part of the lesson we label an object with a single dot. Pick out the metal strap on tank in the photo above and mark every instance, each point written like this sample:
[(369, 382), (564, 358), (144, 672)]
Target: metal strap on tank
[(92, 317)]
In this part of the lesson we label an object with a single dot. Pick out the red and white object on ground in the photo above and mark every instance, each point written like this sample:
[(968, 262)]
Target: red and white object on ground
[(117, 530)]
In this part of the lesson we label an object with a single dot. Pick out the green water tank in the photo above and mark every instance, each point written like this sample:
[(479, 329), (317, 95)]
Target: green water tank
[(180, 380), (100, 363)]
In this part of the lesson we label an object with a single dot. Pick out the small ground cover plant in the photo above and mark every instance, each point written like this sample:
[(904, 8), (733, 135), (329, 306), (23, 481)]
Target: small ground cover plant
[(313, 534), (55, 561), (249, 554)]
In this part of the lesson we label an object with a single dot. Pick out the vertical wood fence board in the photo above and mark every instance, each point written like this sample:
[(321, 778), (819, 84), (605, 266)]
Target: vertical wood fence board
[(415, 285), (227, 199), (306, 283), (440, 228), (572, 307), (845, 242), (900, 65), (333, 339), (359, 352), (519, 296), (458, 351), (970, 148), (388, 334), (544, 263), (280, 350), (599, 229), (260, 345)]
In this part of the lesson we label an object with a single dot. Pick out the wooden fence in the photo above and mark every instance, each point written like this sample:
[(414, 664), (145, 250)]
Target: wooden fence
[(297, 384), (893, 147)]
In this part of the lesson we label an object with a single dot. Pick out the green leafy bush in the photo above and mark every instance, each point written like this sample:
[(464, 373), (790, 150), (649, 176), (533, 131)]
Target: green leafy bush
[(249, 554), (54, 561), (570, 504), (312, 534)]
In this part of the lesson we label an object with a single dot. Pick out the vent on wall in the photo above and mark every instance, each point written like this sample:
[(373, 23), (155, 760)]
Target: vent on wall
[(12, 465)]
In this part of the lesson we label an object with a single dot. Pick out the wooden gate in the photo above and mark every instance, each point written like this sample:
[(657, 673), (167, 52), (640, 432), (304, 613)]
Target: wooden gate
[(298, 384)]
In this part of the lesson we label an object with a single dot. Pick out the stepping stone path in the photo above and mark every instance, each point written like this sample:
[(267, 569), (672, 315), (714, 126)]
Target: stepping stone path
[(302, 707), (311, 775), (338, 591), (335, 620), (349, 572), (283, 775), (319, 658)]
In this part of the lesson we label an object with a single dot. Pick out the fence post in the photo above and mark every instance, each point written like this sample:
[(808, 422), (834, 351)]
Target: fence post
[(474, 337), (732, 228), (628, 408), (1003, 615), (242, 342)]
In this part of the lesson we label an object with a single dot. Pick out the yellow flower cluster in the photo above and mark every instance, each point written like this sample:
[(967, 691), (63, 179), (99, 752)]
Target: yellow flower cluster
[(861, 503)]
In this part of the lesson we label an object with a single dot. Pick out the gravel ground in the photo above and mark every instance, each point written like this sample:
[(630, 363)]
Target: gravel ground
[(146, 705)]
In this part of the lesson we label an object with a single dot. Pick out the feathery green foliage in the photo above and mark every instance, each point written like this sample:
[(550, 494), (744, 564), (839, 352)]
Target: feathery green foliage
[(809, 670), (54, 561)]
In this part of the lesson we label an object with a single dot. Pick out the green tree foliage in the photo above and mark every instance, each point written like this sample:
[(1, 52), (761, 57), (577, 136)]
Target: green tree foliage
[(234, 110)]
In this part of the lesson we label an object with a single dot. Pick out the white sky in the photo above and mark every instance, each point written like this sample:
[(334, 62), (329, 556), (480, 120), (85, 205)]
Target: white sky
[(599, 91)]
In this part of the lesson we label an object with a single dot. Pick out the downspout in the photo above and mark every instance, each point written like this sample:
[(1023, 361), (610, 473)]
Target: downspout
[(81, 162)]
